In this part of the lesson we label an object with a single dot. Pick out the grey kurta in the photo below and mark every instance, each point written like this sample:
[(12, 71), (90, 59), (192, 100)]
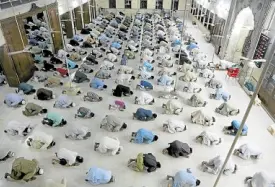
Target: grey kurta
[(111, 123), (32, 109), (226, 110), (196, 101), (103, 74)]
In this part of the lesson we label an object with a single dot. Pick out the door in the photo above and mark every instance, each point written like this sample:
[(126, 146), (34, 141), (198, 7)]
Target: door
[(78, 22), (86, 14), (8, 67), (66, 20), (22, 62), (55, 25)]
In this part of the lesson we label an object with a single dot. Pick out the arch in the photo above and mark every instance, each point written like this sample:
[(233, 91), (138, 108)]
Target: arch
[(243, 24)]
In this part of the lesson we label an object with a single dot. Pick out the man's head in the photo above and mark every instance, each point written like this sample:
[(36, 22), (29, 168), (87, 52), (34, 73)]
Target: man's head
[(158, 165), (76, 66), (124, 126), (131, 92), (62, 161), (198, 182), (43, 111), (191, 150), (92, 114), (63, 122), (79, 159), (133, 78), (155, 138), (105, 86), (22, 102), (40, 171), (155, 115), (100, 98), (152, 77), (68, 55)]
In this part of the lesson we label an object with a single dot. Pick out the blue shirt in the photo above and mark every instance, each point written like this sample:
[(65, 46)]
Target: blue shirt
[(144, 136), (98, 176), (78, 38), (236, 124), (184, 178), (71, 64), (192, 46), (26, 88), (146, 84), (13, 99), (97, 83), (116, 45), (221, 94), (165, 80), (148, 66)]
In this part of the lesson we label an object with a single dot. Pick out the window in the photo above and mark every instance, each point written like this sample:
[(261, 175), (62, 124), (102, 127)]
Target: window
[(175, 3), (159, 4), (112, 3), (128, 4), (143, 4)]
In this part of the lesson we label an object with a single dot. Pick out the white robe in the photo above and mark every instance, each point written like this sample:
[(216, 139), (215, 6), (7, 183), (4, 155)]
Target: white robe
[(247, 151), (42, 137), (207, 73), (191, 87), (69, 47), (144, 98), (148, 52), (262, 179), (68, 155), (62, 54), (125, 69), (173, 107), (124, 79), (107, 65), (112, 57), (145, 75), (132, 48), (109, 143), (208, 137), (174, 126), (17, 126), (218, 162), (147, 58), (78, 132)]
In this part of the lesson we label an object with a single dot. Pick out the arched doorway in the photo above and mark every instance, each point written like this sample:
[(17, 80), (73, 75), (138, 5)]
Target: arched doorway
[(244, 22)]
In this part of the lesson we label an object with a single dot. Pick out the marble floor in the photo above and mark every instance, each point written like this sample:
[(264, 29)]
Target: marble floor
[(258, 121)]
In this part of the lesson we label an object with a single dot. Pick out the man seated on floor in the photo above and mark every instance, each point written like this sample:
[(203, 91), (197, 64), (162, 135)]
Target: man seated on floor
[(44, 94), (234, 127), (25, 88), (122, 90), (54, 119), (144, 99), (144, 162), (32, 109), (112, 123), (98, 176), (145, 85), (78, 133), (214, 166), (247, 151), (14, 100), (66, 157), (184, 178), (40, 140), (177, 149), (108, 144), (143, 136), (144, 115), (23, 169), (63, 101)]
